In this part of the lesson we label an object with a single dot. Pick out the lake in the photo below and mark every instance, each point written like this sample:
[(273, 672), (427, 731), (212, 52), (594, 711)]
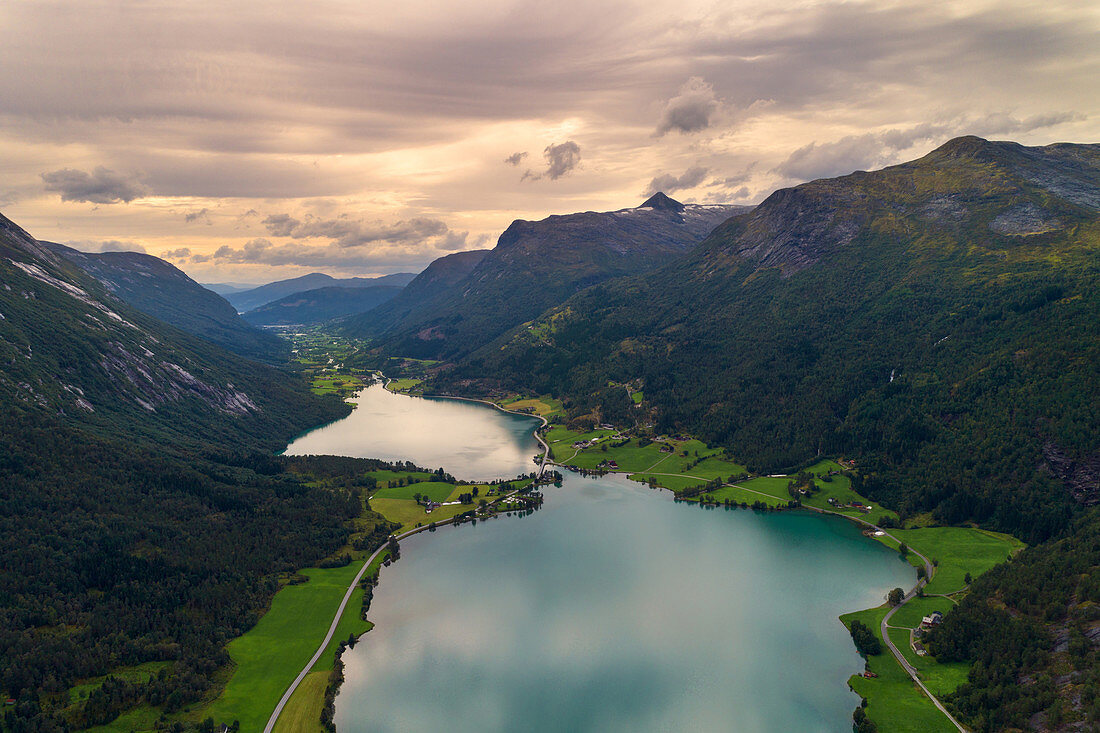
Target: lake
[(471, 440), (612, 608)]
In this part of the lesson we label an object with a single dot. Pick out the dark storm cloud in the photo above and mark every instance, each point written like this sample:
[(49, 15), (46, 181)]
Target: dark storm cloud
[(690, 110), (193, 216), (668, 182), (101, 186), (560, 159), (515, 158)]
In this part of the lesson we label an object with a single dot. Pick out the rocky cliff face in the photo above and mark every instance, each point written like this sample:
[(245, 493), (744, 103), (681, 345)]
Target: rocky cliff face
[(1080, 476), (968, 186)]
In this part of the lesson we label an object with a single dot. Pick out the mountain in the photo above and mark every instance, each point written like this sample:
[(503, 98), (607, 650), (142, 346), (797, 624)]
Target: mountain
[(159, 289), (427, 290), (74, 349), (536, 265), (145, 518), (224, 289), (256, 297), (322, 304), (937, 320)]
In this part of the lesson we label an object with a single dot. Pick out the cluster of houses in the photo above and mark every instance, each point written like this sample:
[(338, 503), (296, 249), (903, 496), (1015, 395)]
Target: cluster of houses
[(608, 464), (857, 505)]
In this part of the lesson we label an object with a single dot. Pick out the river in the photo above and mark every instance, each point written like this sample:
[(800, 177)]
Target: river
[(612, 608)]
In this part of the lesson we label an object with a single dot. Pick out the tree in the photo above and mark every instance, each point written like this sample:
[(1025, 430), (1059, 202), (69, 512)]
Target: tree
[(903, 549), (896, 596)]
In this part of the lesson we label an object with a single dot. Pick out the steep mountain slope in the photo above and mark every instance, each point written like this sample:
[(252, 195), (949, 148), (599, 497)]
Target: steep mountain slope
[(430, 287), (159, 289), (937, 319), (71, 347), (322, 304), (145, 519), (256, 297), (537, 265)]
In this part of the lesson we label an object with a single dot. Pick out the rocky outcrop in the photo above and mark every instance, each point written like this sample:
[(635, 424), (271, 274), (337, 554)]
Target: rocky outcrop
[(1080, 476)]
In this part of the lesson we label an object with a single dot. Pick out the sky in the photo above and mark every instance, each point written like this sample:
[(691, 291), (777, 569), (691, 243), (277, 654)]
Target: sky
[(252, 141)]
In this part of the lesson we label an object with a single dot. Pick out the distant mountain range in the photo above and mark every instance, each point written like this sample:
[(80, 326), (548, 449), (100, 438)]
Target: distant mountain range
[(224, 289), (535, 266), (161, 290), (431, 287), (322, 304), (251, 299)]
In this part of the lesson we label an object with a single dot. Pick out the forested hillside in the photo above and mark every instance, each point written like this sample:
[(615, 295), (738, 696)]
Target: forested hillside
[(427, 290), (537, 265), (161, 290), (1032, 629), (144, 519), (935, 320)]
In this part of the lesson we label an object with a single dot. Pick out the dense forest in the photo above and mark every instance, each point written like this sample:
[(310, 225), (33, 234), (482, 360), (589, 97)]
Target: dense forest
[(145, 518), (1030, 628), (936, 320)]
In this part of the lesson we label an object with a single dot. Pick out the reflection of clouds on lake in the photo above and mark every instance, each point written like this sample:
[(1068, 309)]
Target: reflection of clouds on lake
[(612, 608), (471, 441)]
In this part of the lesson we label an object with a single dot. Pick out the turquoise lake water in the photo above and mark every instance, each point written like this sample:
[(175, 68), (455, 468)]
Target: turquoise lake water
[(612, 608)]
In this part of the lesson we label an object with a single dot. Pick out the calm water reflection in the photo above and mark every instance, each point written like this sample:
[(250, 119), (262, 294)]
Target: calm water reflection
[(614, 609), (610, 609), (470, 440)]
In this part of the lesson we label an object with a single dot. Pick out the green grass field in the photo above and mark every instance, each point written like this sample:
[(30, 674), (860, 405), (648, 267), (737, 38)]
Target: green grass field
[(959, 550), (542, 406), (385, 477), (402, 385), (839, 487), (434, 490), (895, 703), (142, 718), (409, 514), (269, 656), (302, 712)]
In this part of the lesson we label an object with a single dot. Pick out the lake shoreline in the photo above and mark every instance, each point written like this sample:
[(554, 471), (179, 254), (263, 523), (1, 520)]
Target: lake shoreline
[(546, 460)]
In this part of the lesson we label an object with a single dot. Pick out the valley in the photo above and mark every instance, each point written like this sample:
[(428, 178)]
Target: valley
[(877, 387), (947, 558)]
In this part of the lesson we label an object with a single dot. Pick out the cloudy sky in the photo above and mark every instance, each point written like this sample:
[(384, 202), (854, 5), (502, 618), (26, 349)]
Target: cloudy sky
[(250, 141)]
